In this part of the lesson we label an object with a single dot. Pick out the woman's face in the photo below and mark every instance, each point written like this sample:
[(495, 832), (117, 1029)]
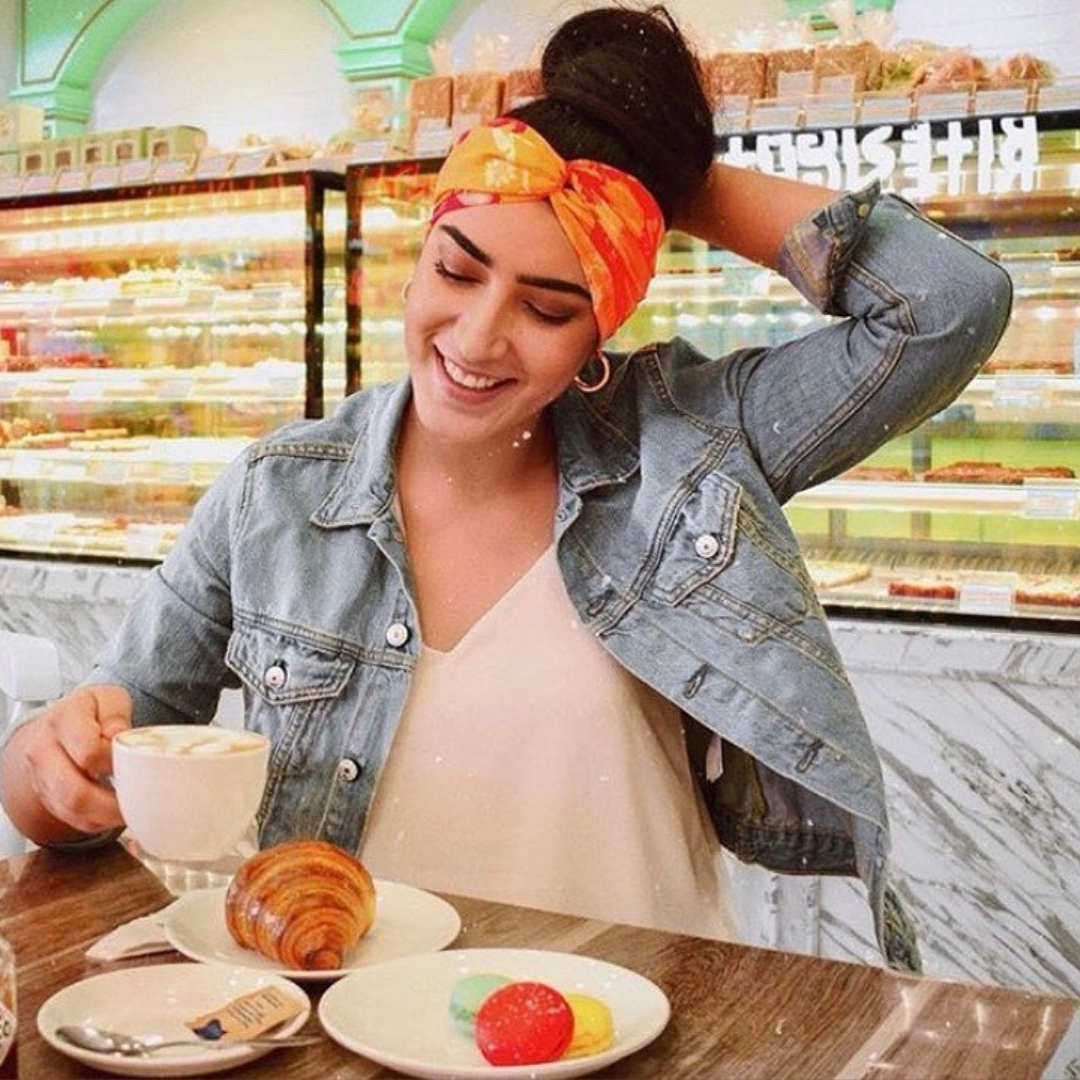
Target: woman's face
[(498, 320)]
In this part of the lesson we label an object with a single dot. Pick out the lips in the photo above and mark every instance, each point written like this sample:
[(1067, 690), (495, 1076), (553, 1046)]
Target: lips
[(467, 380)]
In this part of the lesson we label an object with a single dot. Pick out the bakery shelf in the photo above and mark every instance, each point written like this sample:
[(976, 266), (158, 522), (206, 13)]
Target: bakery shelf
[(90, 536), (147, 334), (1060, 498), (124, 460), (987, 593)]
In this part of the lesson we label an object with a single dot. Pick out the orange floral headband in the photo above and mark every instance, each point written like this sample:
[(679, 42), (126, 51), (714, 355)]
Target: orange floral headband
[(612, 222)]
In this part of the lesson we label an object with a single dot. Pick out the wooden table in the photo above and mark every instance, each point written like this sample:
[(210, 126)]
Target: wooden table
[(736, 1011)]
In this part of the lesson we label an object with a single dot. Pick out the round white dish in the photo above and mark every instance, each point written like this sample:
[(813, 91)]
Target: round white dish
[(407, 921), (155, 1002), (397, 1013)]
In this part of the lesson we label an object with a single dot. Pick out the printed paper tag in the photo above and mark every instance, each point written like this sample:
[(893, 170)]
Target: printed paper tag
[(1048, 501), (214, 165), (36, 183), (105, 176), (72, 179), (986, 597), (247, 1016), (1020, 392)]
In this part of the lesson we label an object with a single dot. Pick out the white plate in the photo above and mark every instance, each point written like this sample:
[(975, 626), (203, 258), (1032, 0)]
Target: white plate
[(154, 1003), (407, 920), (397, 1014)]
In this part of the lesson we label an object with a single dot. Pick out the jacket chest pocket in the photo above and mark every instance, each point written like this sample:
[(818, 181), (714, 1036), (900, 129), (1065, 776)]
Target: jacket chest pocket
[(701, 541), (284, 671)]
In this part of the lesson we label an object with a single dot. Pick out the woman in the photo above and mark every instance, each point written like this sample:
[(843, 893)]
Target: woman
[(531, 624)]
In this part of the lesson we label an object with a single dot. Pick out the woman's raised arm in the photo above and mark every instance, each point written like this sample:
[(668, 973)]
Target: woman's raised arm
[(747, 212)]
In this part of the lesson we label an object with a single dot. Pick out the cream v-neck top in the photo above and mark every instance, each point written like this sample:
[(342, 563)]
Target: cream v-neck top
[(530, 768)]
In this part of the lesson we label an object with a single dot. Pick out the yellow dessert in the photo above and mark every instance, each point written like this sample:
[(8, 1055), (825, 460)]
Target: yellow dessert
[(593, 1028)]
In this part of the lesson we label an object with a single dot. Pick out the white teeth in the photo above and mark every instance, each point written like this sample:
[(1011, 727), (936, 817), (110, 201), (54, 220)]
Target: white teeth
[(463, 378)]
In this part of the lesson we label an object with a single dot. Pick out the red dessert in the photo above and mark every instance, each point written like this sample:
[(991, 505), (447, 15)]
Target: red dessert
[(524, 1023)]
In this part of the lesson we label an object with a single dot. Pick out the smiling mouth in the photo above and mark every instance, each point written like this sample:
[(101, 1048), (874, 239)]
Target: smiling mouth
[(460, 377)]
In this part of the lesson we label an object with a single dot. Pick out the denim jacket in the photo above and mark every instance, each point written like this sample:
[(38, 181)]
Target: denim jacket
[(291, 578)]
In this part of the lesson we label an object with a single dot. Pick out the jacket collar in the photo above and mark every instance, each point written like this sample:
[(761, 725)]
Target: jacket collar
[(365, 490), (593, 451), (594, 448)]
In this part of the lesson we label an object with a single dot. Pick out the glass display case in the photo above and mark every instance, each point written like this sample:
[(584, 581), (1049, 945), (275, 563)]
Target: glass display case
[(974, 516), (147, 334)]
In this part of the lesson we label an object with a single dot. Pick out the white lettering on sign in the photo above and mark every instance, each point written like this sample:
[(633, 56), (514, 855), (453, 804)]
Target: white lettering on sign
[(1002, 155)]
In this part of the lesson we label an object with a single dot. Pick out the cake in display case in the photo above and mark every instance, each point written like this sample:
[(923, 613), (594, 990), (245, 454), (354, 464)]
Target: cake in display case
[(972, 517), (147, 335)]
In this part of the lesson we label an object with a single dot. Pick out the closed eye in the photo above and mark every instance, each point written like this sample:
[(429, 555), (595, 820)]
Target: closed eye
[(444, 271), (548, 317)]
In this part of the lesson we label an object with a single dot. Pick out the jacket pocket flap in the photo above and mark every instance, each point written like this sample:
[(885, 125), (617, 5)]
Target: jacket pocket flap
[(285, 670), (701, 540)]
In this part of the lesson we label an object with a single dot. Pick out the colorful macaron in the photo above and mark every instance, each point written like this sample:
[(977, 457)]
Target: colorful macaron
[(594, 1030), (468, 995), (524, 1023)]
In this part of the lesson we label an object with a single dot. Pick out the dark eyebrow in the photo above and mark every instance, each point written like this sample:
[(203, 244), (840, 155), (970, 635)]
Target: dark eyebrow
[(482, 257), (557, 284), (467, 245)]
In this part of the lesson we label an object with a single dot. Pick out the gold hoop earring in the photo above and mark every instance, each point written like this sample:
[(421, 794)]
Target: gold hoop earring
[(405, 290), (605, 376)]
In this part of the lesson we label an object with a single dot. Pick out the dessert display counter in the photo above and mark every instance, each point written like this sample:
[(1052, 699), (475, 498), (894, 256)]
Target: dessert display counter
[(147, 334)]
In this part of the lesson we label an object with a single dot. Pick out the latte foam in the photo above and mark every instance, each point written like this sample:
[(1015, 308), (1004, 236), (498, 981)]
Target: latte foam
[(194, 740)]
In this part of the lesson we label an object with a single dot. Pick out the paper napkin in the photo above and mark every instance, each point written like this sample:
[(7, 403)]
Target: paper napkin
[(139, 937)]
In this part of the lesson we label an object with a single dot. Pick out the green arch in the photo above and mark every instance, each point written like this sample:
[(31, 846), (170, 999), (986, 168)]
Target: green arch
[(60, 49), (62, 46)]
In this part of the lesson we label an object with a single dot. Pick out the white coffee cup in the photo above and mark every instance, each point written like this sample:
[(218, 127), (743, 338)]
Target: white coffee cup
[(189, 792)]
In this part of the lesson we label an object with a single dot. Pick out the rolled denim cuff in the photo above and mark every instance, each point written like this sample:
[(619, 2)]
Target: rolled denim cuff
[(816, 252)]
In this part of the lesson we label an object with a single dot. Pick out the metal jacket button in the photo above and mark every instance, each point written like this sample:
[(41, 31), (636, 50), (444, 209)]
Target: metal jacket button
[(397, 634), (275, 676), (347, 770), (706, 545)]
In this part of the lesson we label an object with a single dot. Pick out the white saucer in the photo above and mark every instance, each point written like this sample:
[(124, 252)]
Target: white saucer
[(397, 1013), (154, 1003), (407, 921)]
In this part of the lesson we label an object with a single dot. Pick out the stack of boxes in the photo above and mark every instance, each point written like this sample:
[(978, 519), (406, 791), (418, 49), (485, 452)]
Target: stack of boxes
[(443, 106), (25, 150), (20, 125)]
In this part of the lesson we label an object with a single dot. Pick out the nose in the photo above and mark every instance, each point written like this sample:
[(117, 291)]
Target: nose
[(481, 331)]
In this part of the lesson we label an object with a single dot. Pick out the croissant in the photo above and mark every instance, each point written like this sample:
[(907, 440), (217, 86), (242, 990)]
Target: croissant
[(302, 903)]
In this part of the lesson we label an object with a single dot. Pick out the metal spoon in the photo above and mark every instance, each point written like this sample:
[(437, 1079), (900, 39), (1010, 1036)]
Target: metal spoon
[(88, 1037)]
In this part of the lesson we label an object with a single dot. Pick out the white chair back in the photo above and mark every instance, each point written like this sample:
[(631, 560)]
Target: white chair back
[(29, 678)]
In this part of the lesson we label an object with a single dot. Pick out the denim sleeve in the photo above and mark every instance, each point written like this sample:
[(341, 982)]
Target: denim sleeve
[(918, 313)]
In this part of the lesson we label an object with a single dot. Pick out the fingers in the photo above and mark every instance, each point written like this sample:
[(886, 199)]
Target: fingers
[(68, 753), (86, 724)]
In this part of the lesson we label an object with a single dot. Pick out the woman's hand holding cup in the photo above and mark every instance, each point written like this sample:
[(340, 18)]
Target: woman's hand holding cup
[(56, 765)]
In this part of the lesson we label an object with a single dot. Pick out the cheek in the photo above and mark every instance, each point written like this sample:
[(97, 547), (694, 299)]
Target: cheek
[(560, 360)]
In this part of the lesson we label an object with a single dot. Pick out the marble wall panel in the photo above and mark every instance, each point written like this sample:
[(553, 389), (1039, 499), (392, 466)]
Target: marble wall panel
[(79, 606)]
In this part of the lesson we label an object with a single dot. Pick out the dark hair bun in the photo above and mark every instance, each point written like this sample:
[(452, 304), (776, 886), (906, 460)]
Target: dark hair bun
[(623, 86)]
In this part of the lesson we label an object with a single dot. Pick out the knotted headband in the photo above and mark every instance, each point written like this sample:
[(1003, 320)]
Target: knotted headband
[(612, 222)]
